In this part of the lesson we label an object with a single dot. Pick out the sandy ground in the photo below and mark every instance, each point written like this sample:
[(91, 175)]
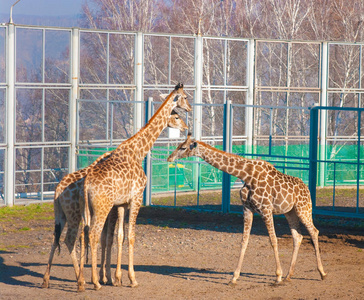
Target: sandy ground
[(188, 255)]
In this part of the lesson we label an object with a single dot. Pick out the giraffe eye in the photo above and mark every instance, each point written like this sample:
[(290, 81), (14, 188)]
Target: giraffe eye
[(182, 148)]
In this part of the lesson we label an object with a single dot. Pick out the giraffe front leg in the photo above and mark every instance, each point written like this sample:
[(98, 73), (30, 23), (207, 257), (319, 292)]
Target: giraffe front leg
[(133, 213), (248, 221), (110, 224), (102, 273), (121, 230), (268, 220)]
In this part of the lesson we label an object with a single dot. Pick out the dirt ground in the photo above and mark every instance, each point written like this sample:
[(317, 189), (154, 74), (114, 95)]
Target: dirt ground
[(183, 254)]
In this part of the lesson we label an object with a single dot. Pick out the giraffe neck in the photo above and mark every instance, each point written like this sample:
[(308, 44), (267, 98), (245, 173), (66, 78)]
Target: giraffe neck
[(232, 164), (141, 143)]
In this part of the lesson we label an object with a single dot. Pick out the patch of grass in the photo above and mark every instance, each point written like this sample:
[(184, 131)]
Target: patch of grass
[(7, 248), (43, 211), (24, 228)]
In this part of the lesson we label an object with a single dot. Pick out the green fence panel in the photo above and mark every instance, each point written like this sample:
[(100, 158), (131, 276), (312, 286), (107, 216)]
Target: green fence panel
[(291, 159)]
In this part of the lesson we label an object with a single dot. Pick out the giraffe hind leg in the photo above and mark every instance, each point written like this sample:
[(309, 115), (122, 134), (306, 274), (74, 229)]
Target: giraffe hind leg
[(294, 225), (108, 238), (306, 219), (102, 273), (97, 222), (120, 238), (58, 228), (70, 241)]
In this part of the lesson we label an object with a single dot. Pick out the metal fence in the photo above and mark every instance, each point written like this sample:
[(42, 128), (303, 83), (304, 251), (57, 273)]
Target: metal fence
[(249, 97)]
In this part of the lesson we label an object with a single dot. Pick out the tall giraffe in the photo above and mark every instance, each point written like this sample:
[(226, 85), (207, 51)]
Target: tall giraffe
[(117, 213), (67, 209), (267, 192), (120, 180)]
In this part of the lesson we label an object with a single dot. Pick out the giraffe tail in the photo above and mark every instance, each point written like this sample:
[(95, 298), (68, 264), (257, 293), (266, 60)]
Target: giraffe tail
[(57, 235), (86, 232), (58, 217), (86, 217)]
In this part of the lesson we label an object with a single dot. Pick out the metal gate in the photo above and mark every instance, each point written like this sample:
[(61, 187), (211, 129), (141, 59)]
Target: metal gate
[(335, 165)]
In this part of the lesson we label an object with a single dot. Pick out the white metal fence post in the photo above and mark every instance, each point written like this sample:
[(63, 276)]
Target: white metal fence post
[(197, 109), (75, 71), (250, 98), (10, 119), (323, 113), (138, 119)]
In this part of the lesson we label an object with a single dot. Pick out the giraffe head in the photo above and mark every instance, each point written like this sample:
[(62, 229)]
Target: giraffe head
[(181, 98), (186, 149), (175, 121)]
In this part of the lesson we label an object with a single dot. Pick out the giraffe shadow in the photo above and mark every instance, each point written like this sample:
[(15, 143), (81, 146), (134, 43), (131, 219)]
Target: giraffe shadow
[(210, 275), (10, 274), (211, 220), (269, 279), (14, 275), (186, 273)]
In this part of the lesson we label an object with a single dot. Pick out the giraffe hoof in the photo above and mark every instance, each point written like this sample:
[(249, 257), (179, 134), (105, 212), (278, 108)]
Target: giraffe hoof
[(81, 288), (323, 276), (134, 285), (117, 283), (106, 282), (97, 286), (278, 283), (231, 283), (109, 282), (103, 281), (287, 279), (44, 285)]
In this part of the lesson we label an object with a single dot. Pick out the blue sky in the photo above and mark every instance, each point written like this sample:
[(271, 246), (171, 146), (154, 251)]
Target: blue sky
[(41, 7)]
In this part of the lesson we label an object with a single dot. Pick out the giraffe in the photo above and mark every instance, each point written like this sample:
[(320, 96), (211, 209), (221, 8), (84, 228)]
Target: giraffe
[(120, 180), (118, 213), (67, 209), (267, 192)]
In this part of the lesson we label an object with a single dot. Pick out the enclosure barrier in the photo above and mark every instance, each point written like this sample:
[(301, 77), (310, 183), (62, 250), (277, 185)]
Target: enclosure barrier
[(250, 97)]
